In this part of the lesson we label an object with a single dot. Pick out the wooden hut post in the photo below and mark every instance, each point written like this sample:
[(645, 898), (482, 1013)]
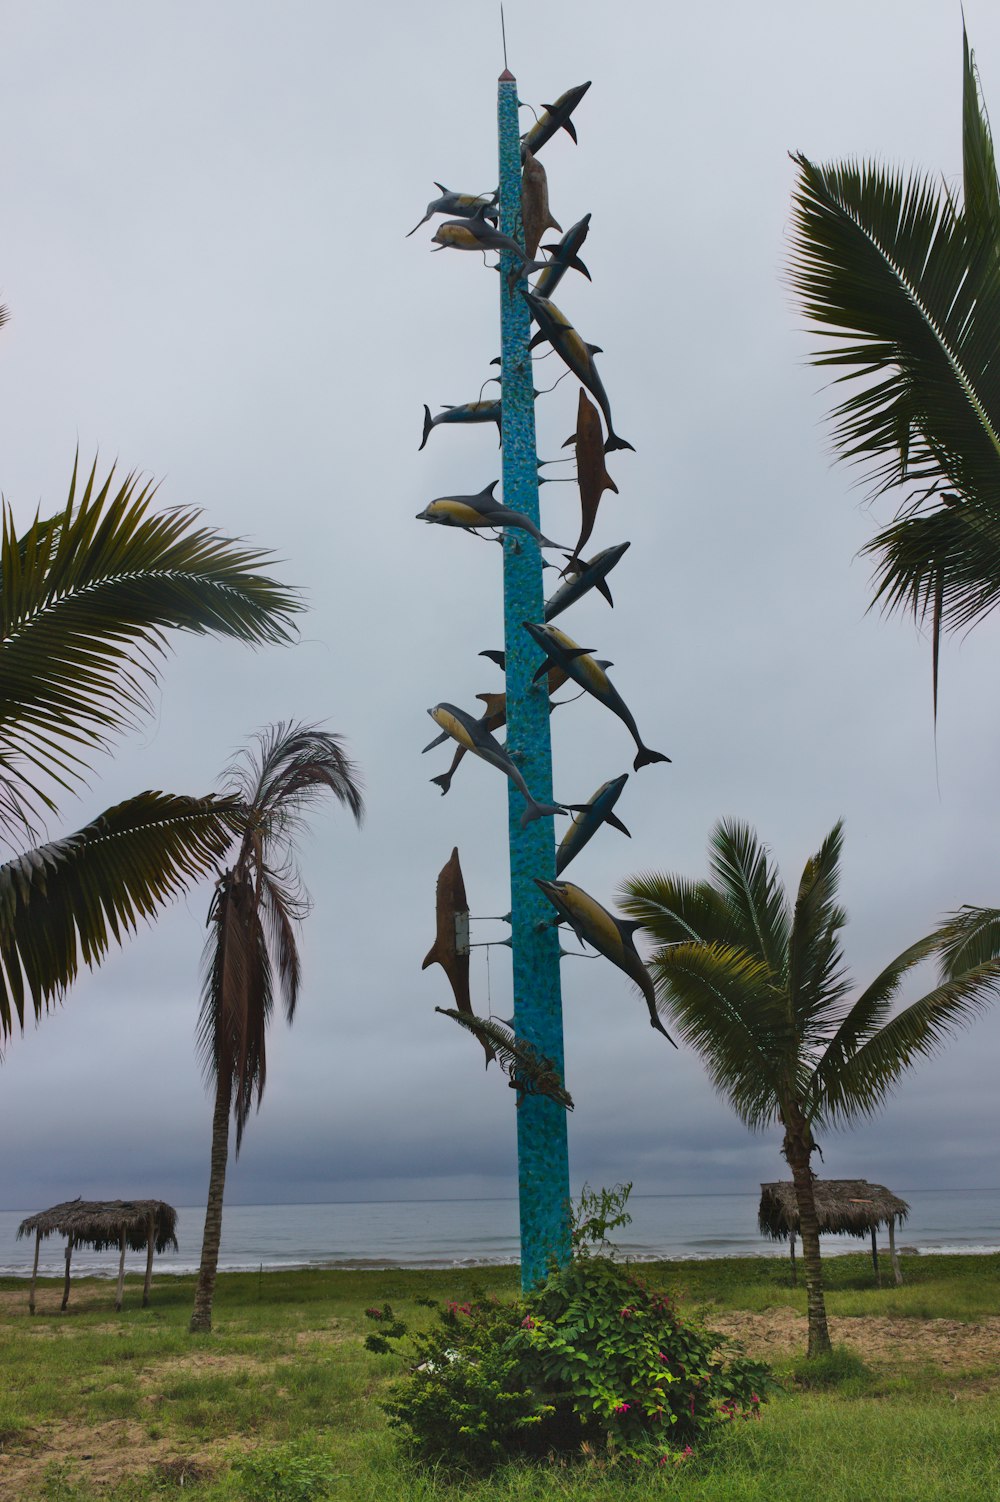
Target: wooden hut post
[(878, 1275), (150, 1239), (893, 1256), (120, 1292), (69, 1253), (791, 1254), (34, 1272)]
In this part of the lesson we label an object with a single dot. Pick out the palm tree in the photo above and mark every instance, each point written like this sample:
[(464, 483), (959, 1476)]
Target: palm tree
[(906, 280), (251, 946), (86, 600), (760, 988)]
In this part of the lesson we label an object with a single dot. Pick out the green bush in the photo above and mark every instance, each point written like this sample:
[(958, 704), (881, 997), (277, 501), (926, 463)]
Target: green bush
[(594, 1363), (284, 1473)]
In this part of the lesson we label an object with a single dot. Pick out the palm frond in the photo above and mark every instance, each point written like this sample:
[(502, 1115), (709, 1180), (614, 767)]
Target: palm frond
[(816, 977), (86, 600), (529, 1072), (979, 168), (860, 1086), (745, 874), (68, 899), (724, 1004), (969, 938), (675, 911)]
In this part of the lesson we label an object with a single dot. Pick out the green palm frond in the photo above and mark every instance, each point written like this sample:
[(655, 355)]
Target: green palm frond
[(86, 600), (675, 911), (747, 878), (970, 937), (68, 899), (723, 1003), (979, 168), (529, 1072), (860, 1086), (816, 977)]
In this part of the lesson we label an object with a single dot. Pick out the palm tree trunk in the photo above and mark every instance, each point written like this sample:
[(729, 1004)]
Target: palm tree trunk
[(796, 1150), (201, 1319)]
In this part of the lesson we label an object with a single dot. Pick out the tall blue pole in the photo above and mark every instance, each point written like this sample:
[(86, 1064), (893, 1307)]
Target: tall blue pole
[(542, 1157)]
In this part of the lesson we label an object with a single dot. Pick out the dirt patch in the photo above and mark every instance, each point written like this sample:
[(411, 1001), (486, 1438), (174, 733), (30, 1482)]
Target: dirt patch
[(104, 1454), (203, 1363), (950, 1345)]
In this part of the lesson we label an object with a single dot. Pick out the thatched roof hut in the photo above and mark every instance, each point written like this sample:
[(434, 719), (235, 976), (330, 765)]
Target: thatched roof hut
[(131, 1225), (844, 1207)]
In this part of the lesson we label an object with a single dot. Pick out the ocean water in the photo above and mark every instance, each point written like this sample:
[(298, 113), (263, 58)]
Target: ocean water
[(456, 1233)]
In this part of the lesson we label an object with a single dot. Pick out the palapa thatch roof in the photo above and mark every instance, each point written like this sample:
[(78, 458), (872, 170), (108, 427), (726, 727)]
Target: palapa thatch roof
[(99, 1223), (845, 1207)]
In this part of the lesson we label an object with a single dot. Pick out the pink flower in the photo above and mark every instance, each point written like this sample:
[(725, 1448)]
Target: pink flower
[(627, 1312), (527, 1323), (623, 1407), (687, 1450), (661, 1355), (374, 1313)]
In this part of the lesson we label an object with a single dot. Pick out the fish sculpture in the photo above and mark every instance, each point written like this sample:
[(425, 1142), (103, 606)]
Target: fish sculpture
[(462, 205), (468, 412), (450, 949), (590, 675), (479, 234), (473, 735), (588, 818), (591, 472), (555, 327), (555, 118), (536, 216), (582, 576), (563, 257), (610, 936), (528, 1073), (482, 510)]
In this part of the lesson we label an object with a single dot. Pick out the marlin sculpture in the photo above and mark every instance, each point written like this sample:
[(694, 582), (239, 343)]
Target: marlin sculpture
[(563, 257), (591, 472), (590, 675), (450, 949), (556, 328), (582, 576), (473, 735), (536, 216), (555, 118), (482, 510), (610, 936), (588, 818), (468, 412), (462, 205)]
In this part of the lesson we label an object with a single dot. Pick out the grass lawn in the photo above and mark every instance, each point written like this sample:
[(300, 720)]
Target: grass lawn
[(280, 1403)]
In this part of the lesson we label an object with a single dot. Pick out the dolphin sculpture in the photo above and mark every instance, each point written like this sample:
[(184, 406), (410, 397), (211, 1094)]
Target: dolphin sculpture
[(536, 216), (555, 118), (582, 576), (563, 257), (588, 818), (468, 412), (590, 675), (478, 234), (591, 472), (473, 735), (555, 327), (610, 936), (462, 205), (450, 949), (482, 510), (494, 718)]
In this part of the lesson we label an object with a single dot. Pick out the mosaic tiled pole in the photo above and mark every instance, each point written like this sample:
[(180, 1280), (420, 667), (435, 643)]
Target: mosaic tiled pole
[(542, 1159)]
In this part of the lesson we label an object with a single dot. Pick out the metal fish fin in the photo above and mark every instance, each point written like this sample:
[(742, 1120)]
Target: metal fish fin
[(616, 823), (602, 588), (595, 349), (428, 424)]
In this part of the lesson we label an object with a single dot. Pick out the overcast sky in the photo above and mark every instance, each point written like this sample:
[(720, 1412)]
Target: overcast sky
[(204, 257)]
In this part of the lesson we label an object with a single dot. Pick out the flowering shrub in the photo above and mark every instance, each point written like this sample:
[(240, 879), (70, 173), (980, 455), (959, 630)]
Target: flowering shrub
[(594, 1363)]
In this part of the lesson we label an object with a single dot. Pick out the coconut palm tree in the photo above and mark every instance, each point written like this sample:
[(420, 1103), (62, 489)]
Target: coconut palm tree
[(760, 989), (251, 948), (87, 598), (905, 279)]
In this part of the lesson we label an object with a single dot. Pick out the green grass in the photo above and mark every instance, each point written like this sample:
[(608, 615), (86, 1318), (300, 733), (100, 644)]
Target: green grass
[(280, 1403)]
